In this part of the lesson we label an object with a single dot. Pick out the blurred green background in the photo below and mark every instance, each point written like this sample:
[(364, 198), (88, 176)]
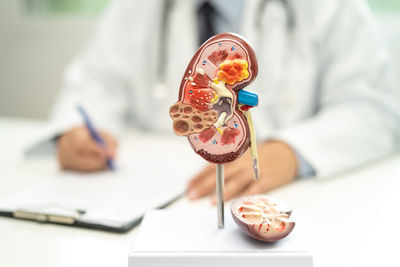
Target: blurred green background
[(385, 5), (93, 7), (64, 7)]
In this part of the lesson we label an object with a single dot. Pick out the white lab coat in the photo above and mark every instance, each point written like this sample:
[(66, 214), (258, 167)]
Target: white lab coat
[(323, 85)]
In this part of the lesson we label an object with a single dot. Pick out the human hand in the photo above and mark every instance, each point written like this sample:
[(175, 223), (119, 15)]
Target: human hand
[(278, 166), (76, 150)]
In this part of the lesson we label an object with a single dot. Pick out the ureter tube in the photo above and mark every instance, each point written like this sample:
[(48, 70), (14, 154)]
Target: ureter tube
[(253, 144)]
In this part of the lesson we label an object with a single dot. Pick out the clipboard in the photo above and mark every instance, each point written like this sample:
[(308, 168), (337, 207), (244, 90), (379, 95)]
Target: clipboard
[(72, 217), (115, 201)]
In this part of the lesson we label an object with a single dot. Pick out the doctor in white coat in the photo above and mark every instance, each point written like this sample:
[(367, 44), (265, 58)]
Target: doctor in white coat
[(327, 103)]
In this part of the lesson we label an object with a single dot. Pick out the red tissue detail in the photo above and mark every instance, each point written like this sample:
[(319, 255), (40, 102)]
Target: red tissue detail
[(198, 93), (236, 56), (246, 107), (229, 136), (199, 102), (207, 134), (218, 56), (281, 226), (201, 81), (199, 98)]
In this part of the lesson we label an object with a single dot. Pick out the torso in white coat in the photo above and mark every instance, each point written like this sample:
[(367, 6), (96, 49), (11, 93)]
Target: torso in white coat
[(323, 80), (132, 45), (287, 76)]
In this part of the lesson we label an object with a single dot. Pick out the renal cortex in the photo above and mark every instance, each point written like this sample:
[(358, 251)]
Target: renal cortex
[(213, 110)]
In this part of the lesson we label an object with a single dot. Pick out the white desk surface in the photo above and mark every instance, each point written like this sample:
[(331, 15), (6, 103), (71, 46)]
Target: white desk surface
[(350, 220)]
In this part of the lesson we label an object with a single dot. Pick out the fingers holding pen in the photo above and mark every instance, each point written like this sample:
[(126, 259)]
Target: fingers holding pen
[(76, 150), (111, 144)]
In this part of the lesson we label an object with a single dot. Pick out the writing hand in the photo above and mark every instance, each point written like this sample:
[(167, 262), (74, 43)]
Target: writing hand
[(76, 150)]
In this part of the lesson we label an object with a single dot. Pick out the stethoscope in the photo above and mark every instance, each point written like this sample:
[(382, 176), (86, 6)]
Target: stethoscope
[(291, 20), (270, 100)]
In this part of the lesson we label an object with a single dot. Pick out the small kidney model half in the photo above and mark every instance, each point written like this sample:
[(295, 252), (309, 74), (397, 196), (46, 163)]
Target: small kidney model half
[(263, 217), (212, 109)]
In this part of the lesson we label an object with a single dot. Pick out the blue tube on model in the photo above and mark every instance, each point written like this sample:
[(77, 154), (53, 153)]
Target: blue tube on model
[(247, 98)]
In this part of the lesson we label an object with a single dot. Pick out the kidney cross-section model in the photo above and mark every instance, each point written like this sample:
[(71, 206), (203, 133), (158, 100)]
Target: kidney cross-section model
[(212, 109)]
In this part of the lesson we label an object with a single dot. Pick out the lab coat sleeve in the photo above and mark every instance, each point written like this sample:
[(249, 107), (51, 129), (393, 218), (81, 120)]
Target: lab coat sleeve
[(357, 119), (304, 169)]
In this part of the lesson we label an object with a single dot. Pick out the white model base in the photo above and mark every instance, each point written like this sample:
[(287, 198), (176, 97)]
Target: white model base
[(192, 239)]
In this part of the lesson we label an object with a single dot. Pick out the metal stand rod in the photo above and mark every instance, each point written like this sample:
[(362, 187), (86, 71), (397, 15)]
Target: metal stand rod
[(220, 195)]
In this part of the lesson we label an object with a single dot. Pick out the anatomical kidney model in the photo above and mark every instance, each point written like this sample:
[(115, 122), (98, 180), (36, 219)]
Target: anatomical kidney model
[(262, 217), (213, 112), (212, 109)]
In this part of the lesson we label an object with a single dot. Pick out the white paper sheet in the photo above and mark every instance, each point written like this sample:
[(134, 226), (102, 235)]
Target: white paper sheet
[(150, 171)]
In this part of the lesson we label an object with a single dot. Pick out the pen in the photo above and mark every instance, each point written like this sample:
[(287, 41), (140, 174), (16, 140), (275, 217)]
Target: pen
[(95, 135)]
